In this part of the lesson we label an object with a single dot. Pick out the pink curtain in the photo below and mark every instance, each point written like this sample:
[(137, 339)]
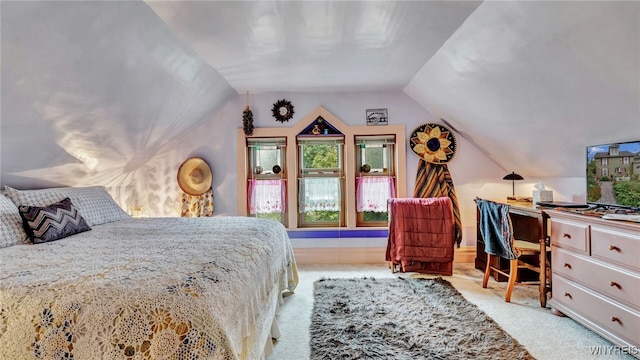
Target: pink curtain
[(267, 196), (372, 193)]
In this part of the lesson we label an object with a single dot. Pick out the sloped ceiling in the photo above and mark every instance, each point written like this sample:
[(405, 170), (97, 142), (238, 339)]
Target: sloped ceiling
[(529, 83), (315, 46), (533, 83), (92, 90)]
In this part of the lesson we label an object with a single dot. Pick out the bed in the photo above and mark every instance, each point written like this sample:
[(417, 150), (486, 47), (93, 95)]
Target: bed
[(141, 288)]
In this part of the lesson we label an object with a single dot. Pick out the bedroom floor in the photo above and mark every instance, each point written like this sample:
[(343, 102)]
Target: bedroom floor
[(523, 318)]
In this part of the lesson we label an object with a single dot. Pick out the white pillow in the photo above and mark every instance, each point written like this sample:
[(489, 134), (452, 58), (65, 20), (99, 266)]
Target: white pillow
[(94, 203), (11, 230)]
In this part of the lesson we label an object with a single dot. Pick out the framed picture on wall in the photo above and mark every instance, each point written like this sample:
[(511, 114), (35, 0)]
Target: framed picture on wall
[(377, 117)]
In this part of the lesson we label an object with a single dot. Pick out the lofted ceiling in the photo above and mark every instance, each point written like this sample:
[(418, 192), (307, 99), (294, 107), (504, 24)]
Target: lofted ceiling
[(315, 46), (529, 83)]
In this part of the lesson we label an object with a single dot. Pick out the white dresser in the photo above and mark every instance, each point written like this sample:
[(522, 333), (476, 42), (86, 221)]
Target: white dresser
[(596, 275)]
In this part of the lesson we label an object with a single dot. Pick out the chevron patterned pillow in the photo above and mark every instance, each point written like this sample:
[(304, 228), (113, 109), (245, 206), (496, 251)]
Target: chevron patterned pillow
[(53, 222)]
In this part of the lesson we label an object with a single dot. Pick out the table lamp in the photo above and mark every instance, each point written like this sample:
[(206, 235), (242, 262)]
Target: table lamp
[(513, 177)]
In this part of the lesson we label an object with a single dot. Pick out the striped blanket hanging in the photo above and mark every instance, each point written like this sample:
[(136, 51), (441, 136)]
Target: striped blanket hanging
[(434, 180)]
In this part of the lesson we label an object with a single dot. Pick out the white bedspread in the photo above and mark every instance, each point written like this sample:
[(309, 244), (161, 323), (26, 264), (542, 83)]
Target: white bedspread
[(163, 288)]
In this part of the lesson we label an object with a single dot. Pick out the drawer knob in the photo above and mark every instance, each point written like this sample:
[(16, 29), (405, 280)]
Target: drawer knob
[(614, 248), (567, 265), (616, 319), (570, 297), (568, 236), (613, 283)]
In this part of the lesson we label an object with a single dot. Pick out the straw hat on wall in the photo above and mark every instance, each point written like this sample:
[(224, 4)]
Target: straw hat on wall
[(194, 176)]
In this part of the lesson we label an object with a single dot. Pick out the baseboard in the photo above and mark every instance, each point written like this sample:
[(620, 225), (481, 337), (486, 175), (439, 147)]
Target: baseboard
[(464, 254), (364, 255)]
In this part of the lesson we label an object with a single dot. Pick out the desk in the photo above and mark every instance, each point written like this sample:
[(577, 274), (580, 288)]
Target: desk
[(530, 224)]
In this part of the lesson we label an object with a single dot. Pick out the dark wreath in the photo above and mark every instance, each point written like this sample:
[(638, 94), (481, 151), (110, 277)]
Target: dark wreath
[(284, 103)]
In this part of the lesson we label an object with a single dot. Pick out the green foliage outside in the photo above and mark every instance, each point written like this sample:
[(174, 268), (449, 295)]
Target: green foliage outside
[(594, 193), (374, 157), (277, 216), (320, 156), (322, 216), (627, 192), (375, 216), (605, 178)]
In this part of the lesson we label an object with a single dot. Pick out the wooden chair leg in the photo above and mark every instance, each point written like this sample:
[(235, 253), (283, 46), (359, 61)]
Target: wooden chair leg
[(487, 272), (513, 274)]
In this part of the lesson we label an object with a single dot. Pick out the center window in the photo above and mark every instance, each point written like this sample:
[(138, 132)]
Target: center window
[(321, 181)]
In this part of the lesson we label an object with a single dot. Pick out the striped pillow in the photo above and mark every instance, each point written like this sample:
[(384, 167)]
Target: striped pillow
[(53, 222)]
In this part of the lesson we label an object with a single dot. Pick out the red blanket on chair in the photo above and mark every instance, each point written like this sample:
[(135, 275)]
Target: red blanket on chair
[(421, 235)]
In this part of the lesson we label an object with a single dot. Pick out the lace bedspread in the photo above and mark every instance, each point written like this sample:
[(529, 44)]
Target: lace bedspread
[(160, 288)]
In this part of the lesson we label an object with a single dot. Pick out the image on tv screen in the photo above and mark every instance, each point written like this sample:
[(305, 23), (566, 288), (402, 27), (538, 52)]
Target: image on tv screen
[(613, 174)]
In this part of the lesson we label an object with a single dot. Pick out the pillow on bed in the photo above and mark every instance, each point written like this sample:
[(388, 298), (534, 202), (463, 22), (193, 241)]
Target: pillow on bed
[(94, 203), (53, 222), (11, 230)]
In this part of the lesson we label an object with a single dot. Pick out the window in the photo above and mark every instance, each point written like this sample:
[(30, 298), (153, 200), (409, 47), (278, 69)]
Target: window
[(605, 172), (604, 162), (320, 161), (375, 178), (320, 181), (267, 180), (625, 160)]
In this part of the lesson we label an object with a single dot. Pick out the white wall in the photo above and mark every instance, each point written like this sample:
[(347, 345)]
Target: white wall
[(107, 95), (100, 93), (473, 173)]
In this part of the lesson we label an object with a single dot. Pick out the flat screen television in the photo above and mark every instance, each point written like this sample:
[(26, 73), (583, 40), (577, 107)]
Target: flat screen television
[(613, 175)]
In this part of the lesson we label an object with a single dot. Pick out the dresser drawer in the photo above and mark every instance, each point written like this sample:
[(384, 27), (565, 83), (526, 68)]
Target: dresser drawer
[(570, 235), (617, 247), (615, 318), (621, 285)]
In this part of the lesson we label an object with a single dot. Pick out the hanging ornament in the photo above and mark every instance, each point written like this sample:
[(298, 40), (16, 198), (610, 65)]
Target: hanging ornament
[(282, 110), (247, 119)]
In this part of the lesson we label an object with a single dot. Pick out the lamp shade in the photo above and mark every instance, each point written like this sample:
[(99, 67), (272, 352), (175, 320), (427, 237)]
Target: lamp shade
[(513, 177)]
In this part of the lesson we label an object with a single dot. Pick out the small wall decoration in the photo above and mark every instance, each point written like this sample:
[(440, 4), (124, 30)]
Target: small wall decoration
[(282, 110), (433, 143), (247, 121), (194, 176), (377, 117)]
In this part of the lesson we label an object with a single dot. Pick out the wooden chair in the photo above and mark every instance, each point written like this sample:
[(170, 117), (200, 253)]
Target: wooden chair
[(496, 230)]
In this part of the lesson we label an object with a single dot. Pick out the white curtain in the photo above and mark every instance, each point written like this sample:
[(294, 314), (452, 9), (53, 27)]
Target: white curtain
[(320, 194), (267, 196), (372, 193)]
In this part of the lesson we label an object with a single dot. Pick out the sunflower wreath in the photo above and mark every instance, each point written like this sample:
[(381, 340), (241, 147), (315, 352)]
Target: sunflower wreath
[(280, 115), (433, 143)]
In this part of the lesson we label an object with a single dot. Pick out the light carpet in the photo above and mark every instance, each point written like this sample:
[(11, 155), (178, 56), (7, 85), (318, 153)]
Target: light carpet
[(544, 335), (403, 319)]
